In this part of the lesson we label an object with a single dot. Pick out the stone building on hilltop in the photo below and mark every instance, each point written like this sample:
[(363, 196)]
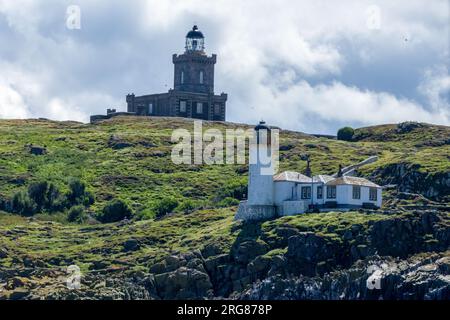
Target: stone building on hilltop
[(192, 95)]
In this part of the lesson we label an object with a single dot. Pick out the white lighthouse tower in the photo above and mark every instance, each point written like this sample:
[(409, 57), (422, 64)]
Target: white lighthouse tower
[(260, 185), (260, 203)]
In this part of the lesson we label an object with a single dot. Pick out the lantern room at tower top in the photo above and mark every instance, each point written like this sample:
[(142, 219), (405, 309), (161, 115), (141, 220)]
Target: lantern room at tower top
[(195, 41)]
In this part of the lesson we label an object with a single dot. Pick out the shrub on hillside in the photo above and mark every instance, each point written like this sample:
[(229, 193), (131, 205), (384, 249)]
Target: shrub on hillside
[(22, 204), (46, 196), (165, 206), (236, 189), (88, 199), (77, 193), (345, 134), (3, 204), (77, 214), (37, 191), (187, 206), (228, 202), (144, 214), (55, 200), (115, 210)]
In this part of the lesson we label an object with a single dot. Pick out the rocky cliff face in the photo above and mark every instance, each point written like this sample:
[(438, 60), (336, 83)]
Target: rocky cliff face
[(419, 277), (399, 257), (308, 265), (409, 178)]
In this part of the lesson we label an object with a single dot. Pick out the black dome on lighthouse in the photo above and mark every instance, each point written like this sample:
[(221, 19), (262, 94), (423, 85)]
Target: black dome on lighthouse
[(262, 126), (195, 33)]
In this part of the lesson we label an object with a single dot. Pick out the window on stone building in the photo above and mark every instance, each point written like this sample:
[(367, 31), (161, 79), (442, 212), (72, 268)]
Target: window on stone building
[(182, 77), (217, 109), (373, 194), (331, 192), (356, 192), (182, 106), (306, 192), (199, 107), (319, 192), (201, 77)]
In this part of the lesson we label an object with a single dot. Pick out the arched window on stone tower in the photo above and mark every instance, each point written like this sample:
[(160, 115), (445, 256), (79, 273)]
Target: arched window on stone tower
[(182, 77)]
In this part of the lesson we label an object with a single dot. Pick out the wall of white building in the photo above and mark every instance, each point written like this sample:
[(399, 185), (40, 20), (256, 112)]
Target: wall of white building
[(283, 191), (294, 207), (344, 195)]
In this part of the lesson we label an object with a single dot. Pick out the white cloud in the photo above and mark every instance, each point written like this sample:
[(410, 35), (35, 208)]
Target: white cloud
[(59, 109), (436, 87), (310, 108), (12, 105), (306, 65)]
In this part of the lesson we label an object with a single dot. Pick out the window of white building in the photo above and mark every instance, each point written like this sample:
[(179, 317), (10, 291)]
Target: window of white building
[(319, 192), (331, 192), (306, 192), (182, 106), (356, 192), (373, 194)]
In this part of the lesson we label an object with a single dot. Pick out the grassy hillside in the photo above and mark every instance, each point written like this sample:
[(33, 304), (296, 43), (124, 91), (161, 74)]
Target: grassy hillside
[(129, 158)]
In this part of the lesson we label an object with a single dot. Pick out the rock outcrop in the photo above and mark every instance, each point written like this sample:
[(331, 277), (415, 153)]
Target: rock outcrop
[(409, 178), (423, 278)]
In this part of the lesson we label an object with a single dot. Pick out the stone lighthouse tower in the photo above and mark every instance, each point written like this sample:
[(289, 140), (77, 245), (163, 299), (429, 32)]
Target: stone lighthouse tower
[(260, 203), (192, 95)]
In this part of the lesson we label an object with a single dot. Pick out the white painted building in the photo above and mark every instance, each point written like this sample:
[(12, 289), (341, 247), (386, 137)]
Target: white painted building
[(290, 193)]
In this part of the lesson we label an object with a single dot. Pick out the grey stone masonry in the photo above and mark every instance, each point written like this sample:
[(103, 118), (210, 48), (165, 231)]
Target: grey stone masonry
[(248, 212)]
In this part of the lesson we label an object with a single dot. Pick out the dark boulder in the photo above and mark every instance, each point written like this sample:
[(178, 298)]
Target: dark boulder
[(211, 249), (260, 265), (131, 245), (117, 143), (37, 150), (183, 283), (406, 127), (307, 250), (247, 250)]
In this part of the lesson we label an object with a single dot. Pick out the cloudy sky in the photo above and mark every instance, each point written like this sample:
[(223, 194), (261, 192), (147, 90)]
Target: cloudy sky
[(312, 66)]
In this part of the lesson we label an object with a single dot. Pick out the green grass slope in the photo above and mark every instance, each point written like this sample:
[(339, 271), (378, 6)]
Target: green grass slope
[(129, 158)]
